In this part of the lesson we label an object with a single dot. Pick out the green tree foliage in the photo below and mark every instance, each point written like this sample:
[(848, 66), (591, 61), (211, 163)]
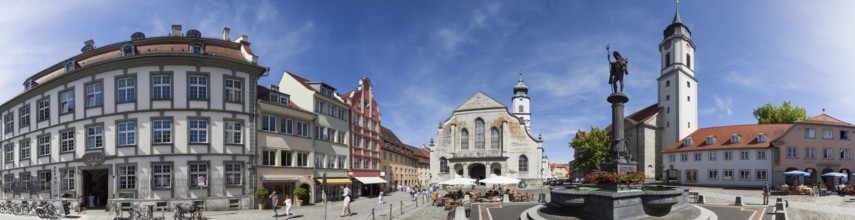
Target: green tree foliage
[(591, 149), (785, 114)]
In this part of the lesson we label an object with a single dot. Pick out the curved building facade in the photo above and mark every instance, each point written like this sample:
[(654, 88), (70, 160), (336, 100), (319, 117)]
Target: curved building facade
[(152, 120)]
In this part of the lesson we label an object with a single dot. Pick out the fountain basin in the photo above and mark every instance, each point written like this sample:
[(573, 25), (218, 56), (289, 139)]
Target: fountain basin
[(598, 203)]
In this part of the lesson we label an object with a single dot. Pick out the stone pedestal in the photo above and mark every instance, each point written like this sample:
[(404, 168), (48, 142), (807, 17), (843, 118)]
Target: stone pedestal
[(619, 159)]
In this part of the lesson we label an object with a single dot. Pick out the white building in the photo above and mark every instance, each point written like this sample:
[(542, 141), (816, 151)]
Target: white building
[(152, 120), (482, 138), (739, 155)]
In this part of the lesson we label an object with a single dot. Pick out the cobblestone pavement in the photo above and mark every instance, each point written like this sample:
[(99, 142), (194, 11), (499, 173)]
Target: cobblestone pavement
[(800, 206)]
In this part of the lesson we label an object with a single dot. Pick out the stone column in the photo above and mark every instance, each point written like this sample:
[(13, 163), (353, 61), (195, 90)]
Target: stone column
[(619, 158)]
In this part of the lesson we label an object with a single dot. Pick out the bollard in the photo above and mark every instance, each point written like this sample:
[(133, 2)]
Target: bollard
[(700, 199), (390, 211), (417, 203), (402, 207), (739, 201), (372, 213)]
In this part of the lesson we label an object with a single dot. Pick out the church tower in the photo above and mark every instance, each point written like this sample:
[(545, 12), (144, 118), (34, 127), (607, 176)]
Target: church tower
[(520, 104), (678, 88)]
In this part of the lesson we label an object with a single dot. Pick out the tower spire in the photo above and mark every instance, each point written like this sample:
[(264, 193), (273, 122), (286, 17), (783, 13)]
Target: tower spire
[(676, 12)]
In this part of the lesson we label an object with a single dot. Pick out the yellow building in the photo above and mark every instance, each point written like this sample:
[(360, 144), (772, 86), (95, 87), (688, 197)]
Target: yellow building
[(399, 163)]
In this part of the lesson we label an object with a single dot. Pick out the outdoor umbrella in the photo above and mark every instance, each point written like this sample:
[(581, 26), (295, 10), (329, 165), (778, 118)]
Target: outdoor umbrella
[(796, 173), (458, 181), (500, 180), (834, 174)]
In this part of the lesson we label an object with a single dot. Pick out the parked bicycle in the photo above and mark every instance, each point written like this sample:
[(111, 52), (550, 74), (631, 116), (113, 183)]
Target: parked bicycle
[(194, 211)]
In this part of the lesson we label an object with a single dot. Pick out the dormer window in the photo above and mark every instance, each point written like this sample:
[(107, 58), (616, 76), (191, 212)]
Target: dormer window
[(128, 50), (761, 138), (710, 140), (688, 142), (70, 66), (278, 98), (193, 33), (734, 139), (196, 49)]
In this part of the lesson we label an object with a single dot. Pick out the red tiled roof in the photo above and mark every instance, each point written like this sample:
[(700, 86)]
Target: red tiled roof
[(555, 165), (301, 80), (824, 119), (748, 135), (638, 116)]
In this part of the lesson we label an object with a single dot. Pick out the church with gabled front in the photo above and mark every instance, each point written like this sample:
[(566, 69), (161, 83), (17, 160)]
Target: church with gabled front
[(483, 139)]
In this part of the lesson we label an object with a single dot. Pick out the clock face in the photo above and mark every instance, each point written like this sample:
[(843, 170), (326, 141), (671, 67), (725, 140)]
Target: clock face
[(667, 44)]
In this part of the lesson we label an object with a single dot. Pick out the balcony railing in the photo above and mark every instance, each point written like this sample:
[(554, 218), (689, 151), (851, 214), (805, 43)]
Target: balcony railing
[(477, 154)]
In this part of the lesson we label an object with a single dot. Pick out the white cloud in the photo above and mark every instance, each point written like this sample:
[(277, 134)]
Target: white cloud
[(723, 107)]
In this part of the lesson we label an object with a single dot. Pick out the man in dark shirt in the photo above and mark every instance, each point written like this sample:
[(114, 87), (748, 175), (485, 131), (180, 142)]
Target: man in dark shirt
[(766, 192)]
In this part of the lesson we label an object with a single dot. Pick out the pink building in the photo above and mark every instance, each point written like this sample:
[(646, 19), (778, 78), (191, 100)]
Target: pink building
[(817, 145)]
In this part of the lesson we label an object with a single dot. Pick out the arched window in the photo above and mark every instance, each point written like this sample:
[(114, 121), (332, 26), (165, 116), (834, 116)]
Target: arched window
[(494, 138), (479, 134), (523, 163), (464, 139), (520, 109), (443, 165)]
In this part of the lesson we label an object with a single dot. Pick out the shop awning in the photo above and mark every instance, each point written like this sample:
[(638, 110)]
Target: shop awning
[(335, 181), (370, 180), (274, 177)]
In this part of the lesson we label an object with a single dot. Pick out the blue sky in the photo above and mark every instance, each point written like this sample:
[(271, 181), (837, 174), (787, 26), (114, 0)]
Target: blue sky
[(426, 57)]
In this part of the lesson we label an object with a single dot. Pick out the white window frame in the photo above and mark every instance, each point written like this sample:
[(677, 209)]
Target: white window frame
[(792, 152), (810, 153), (268, 123), (197, 87), (757, 175), (161, 132), (196, 169), (43, 145), (161, 87), (24, 115), (94, 137), (126, 89), (233, 89), (45, 178), (198, 133), (43, 110), (302, 159), (24, 147), (761, 155), (67, 183), (268, 158), (712, 174), (95, 94), (66, 141), (287, 126), (748, 176), (233, 173), (828, 153), (234, 132), (302, 129), (827, 134), (845, 154), (698, 156), (66, 101), (161, 175), (744, 155), (127, 133), (810, 133), (127, 175), (712, 155)]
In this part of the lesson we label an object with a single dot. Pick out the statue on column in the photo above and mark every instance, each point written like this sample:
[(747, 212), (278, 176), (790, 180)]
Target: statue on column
[(617, 69)]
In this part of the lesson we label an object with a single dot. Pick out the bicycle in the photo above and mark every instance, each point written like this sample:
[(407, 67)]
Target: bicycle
[(194, 211)]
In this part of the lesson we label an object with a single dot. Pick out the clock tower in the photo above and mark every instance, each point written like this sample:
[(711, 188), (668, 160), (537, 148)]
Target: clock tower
[(678, 87), (520, 104)]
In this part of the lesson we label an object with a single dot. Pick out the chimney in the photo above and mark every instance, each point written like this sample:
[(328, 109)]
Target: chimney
[(88, 45), (176, 30), (241, 39), (226, 33), (274, 88)]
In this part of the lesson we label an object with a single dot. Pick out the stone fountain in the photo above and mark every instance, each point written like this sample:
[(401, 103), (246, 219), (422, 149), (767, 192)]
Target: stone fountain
[(614, 200)]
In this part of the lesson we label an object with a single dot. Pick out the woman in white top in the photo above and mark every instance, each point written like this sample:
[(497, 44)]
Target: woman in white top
[(288, 206)]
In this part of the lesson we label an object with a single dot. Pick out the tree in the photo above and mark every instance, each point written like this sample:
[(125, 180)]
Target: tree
[(785, 114), (590, 149)]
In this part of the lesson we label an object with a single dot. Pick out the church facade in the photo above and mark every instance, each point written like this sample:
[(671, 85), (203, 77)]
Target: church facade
[(482, 139)]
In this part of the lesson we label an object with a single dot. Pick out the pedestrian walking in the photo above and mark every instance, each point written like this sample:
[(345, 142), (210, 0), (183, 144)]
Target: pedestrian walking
[(274, 200), (380, 200), (345, 208), (424, 195), (287, 207), (766, 192)]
